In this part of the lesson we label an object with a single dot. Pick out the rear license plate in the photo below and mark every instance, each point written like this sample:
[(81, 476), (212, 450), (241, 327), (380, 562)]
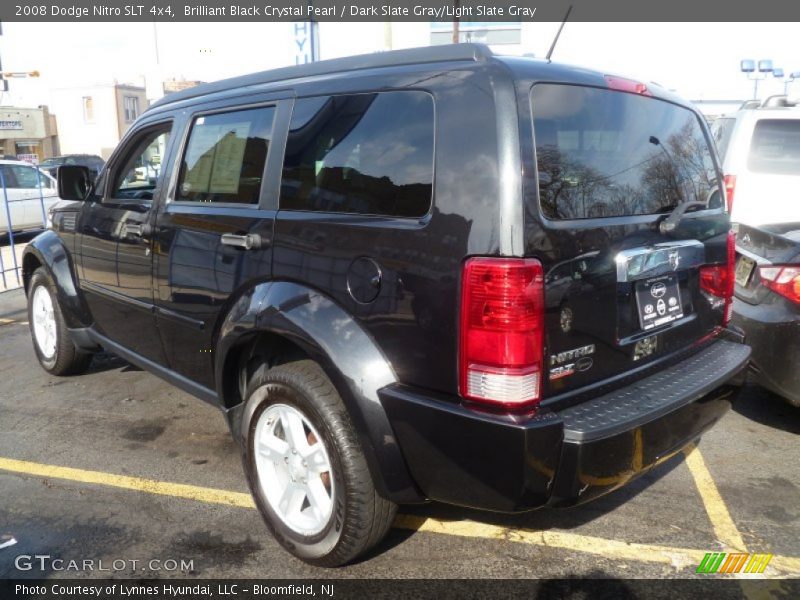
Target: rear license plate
[(744, 268), (659, 301)]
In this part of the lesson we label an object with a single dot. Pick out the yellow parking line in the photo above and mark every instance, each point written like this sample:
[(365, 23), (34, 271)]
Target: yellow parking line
[(612, 549), (11, 322), (162, 488), (723, 524), (615, 549)]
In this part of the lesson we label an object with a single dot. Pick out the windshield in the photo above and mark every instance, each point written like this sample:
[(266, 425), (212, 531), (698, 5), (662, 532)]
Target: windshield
[(605, 153)]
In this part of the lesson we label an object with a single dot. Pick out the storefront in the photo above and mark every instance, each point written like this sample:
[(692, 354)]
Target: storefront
[(28, 134)]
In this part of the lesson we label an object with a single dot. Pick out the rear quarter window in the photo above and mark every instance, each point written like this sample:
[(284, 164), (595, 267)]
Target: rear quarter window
[(775, 147), (605, 153), (370, 154)]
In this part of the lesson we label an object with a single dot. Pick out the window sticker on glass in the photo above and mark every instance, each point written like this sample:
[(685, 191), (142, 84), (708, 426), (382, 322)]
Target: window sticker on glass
[(228, 155), (215, 162)]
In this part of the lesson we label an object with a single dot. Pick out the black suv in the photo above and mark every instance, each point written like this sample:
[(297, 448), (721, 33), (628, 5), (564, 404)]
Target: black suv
[(348, 258), (91, 161)]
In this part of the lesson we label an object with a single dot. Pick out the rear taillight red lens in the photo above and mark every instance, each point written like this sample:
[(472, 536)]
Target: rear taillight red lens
[(718, 280), (501, 337), (730, 189), (784, 280)]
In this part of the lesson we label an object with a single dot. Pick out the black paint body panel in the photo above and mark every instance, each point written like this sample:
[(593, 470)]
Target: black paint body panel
[(557, 458), (181, 303)]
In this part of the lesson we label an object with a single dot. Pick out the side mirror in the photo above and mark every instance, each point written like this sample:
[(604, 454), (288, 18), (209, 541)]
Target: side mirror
[(73, 182)]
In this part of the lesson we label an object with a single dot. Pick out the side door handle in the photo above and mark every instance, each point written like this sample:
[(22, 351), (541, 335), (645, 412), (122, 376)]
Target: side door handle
[(139, 230), (249, 241)]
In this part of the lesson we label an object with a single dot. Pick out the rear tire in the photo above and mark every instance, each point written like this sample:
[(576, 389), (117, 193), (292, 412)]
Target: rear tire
[(51, 342), (341, 516)]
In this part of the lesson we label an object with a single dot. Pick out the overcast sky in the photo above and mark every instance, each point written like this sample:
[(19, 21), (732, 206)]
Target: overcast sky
[(699, 60)]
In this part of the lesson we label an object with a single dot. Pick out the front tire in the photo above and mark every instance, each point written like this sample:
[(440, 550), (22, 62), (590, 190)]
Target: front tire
[(306, 469), (51, 342)]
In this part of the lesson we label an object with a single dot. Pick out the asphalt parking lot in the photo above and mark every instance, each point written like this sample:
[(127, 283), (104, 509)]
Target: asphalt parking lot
[(118, 465)]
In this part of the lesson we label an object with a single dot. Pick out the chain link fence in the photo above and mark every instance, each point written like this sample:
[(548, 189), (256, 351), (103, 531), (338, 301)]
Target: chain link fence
[(26, 194)]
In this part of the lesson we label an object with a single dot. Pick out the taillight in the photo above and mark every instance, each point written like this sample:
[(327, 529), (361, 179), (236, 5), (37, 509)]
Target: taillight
[(502, 322), (626, 85), (730, 188), (782, 280), (718, 280)]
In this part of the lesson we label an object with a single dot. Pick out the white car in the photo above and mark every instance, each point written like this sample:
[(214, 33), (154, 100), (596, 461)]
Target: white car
[(26, 186), (760, 151)]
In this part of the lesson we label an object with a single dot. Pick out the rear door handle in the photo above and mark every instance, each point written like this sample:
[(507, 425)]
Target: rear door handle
[(249, 241), (137, 229)]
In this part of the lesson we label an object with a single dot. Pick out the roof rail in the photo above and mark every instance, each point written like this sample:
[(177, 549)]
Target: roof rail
[(776, 101), (392, 58)]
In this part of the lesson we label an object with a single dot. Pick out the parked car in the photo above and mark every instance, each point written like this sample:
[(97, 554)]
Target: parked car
[(359, 286), (760, 150), (560, 282), (767, 304), (30, 193), (91, 161)]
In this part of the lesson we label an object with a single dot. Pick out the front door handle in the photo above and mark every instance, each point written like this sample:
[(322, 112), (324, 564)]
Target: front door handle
[(138, 229), (248, 241)]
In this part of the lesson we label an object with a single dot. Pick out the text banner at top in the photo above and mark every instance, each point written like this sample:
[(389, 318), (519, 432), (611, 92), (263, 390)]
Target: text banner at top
[(465, 11)]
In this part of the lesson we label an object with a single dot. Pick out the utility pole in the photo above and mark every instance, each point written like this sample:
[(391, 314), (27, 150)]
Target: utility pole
[(456, 28), (387, 35), (3, 82)]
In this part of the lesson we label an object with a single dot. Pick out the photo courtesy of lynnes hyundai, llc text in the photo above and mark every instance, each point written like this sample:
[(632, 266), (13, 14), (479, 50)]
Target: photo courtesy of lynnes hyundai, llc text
[(426, 274)]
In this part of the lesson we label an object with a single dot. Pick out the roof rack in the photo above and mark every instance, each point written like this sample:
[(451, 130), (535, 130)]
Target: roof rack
[(392, 58), (750, 104), (776, 101)]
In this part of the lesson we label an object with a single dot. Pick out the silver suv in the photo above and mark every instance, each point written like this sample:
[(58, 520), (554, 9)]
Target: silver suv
[(760, 151)]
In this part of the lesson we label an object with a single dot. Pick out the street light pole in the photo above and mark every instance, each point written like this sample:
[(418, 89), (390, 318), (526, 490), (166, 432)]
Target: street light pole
[(748, 67), (792, 77)]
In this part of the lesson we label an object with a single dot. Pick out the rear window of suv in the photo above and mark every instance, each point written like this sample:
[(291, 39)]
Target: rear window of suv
[(605, 153), (775, 147)]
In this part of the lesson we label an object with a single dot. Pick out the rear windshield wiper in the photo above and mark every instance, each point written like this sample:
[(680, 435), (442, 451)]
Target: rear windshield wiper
[(669, 224)]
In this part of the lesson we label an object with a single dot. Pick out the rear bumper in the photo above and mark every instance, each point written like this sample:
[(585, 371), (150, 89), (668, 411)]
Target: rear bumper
[(773, 331), (493, 462)]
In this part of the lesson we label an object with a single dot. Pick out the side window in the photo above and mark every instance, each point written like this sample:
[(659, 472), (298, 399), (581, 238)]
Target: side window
[(8, 176), (141, 169), (370, 154), (722, 129), (225, 157), (46, 181), (26, 177)]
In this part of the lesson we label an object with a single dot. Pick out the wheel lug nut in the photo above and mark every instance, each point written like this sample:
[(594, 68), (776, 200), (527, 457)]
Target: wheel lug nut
[(294, 451)]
